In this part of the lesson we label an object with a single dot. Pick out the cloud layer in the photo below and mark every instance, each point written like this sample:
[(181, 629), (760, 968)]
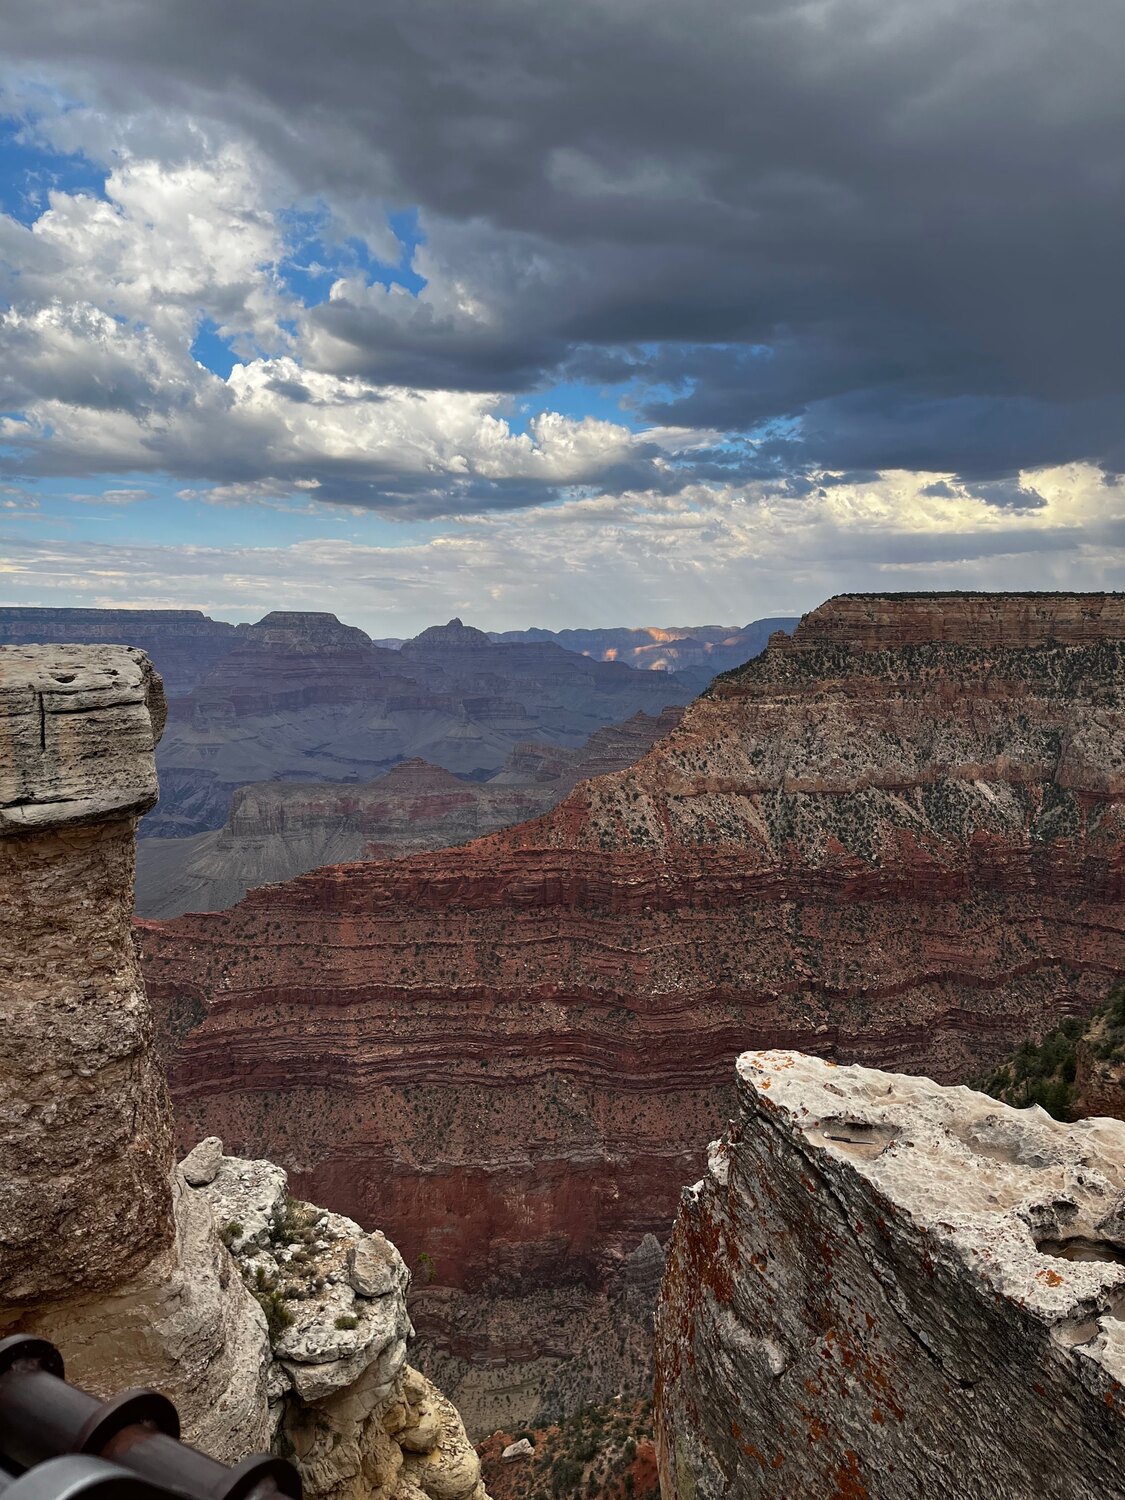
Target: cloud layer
[(703, 555), (353, 253)]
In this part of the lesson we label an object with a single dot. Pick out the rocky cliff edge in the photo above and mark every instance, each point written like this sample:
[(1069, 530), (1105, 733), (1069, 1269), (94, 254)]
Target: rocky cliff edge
[(887, 1288)]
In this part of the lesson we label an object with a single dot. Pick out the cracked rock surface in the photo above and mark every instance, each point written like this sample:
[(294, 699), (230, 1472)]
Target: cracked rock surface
[(888, 1288), (344, 1405)]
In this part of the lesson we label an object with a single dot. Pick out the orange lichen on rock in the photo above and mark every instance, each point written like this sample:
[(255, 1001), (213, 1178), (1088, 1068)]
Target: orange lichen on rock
[(992, 1264)]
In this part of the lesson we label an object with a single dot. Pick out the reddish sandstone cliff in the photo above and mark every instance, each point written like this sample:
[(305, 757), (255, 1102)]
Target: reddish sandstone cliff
[(515, 1052)]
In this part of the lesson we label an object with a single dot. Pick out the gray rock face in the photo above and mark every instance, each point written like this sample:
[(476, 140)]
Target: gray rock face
[(893, 1290), (247, 1199), (375, 1268), (201, 1165), (515, 1451), (78, 731)]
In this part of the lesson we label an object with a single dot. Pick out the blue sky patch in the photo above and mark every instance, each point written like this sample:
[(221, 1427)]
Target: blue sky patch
[(29, 171), (315, 260), (209, 348)]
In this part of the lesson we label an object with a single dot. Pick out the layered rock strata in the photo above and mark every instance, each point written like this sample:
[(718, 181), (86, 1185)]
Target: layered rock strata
[(888, 1289), (277, 830), (511, 1052), (891, 621), (84, 1108), (122, 1262), (302, 697)]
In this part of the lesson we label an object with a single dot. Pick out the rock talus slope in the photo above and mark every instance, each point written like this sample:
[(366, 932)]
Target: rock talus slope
[(884, 1289), (129, 1266), (511, 1052)]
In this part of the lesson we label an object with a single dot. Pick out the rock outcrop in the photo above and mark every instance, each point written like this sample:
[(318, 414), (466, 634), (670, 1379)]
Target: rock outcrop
[(343, 1403), (278, 829), (81, 1086), (510, 1052), (99, 1248), (123, 1262), (888, 1289)]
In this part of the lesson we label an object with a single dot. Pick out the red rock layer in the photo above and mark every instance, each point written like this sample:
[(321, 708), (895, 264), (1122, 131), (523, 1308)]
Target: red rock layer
[(1099, 1086), (513, 1053)]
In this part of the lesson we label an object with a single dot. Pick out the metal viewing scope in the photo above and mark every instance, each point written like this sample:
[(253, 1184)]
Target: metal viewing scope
[(60, 1443)]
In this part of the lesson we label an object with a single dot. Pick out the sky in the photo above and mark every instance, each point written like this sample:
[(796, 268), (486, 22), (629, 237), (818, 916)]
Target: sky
[(604, 313)]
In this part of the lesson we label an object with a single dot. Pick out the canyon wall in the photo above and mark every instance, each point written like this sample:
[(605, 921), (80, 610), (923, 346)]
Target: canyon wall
[(884, 1289), (183, 643), (892, 621), (279, 829), (513, 1052), (131, 1266)]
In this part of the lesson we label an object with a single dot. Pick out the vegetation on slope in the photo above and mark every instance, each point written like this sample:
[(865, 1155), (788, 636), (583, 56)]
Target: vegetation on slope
[(1046, 1072), (599, 1453)]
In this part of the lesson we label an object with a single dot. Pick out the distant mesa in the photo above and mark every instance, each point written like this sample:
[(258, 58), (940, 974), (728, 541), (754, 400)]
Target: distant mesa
[(316, 627), (455, 636)]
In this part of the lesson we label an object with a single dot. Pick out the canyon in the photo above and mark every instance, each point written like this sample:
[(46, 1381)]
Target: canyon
[(688, 649), (301, 697), (279, 829), (894, 838), (883, 1289), (304, 698), (264, 1318)]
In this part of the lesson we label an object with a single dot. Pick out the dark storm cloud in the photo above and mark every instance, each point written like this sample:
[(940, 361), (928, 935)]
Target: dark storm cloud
[(918, 209)]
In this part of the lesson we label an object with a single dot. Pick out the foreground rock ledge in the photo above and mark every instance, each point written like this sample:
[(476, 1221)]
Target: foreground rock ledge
[(886, 1288)]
